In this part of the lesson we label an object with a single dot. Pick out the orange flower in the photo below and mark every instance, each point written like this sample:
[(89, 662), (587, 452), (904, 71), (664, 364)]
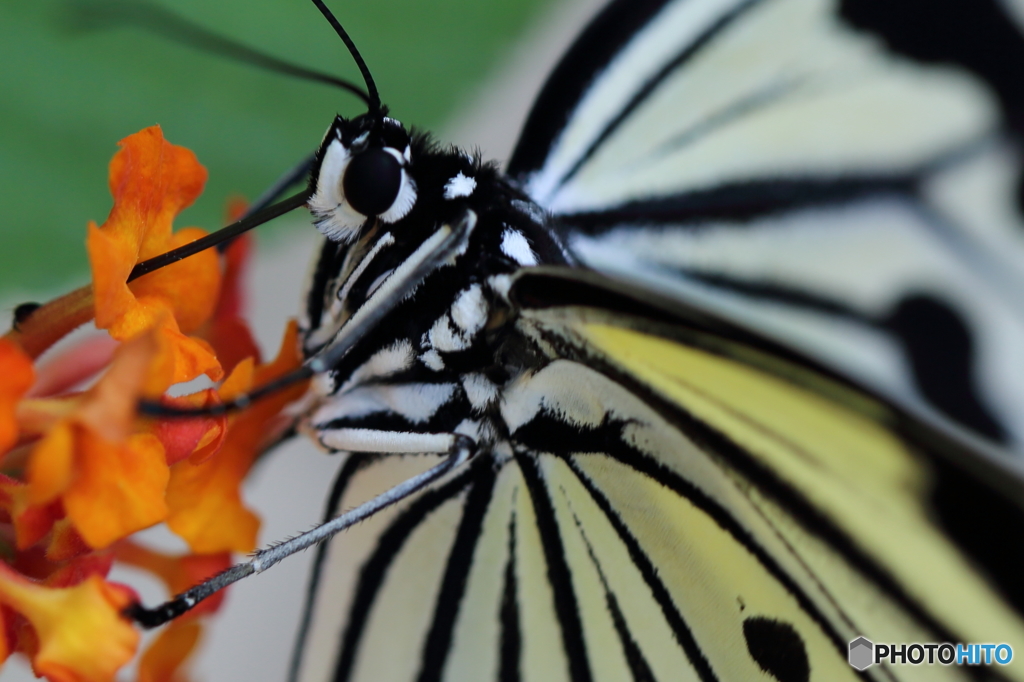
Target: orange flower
[(31, 521), (85, 471), (17, 372), (200, 493), (152, 181), (79, 633), (111, 481)]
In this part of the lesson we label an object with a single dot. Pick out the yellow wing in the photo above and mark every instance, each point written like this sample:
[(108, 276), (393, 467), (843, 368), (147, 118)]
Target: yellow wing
[(670, 498)]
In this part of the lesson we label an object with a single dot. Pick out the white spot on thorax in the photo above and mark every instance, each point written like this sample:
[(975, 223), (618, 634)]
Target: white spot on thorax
[(433, 360), (500, 284), (415, 402), (459, 186), (515, 246), (469, 312), (443, 338), (480, 391), (394, 358)]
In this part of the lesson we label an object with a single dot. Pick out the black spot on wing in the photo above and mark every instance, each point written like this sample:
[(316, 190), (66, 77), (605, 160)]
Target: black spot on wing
[(566, 605), (511, 635), (375, 569), (938, 344), (453, 585), (593, 50), (975, 34), (940, 348), (778, 649)]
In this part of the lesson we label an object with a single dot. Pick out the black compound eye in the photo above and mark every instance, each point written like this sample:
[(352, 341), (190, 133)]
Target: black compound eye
[(372, 181)]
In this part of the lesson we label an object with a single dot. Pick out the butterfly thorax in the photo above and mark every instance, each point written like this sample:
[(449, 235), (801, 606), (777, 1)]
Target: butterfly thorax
[(445, 351)]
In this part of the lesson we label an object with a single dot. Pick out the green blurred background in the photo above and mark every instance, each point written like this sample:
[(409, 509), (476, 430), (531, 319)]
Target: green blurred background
[(66, 99)]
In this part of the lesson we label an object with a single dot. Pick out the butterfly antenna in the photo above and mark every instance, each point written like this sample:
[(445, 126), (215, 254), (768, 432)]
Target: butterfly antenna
[(231, 231), (93, 15), (371, 87)]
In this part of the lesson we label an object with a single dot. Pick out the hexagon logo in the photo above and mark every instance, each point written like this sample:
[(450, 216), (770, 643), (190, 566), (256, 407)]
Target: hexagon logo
[(862, 653)]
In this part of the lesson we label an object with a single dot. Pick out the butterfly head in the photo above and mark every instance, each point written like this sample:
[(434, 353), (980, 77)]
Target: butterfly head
[(361, 174)]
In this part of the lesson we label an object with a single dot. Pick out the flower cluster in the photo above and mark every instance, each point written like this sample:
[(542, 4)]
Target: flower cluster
[(82, 471)]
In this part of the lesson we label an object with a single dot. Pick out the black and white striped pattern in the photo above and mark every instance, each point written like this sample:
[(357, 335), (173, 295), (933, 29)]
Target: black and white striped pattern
[(617, 533), (698, 502), (840, 174)]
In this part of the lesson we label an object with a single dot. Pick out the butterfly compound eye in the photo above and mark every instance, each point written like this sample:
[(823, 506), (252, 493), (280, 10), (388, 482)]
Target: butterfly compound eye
[(372, 181)]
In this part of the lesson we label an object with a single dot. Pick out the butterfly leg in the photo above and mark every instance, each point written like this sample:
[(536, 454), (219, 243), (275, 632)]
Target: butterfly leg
[(460, 451)]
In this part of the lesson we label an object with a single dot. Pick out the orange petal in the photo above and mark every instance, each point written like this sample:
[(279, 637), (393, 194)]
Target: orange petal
[(81, 634), (18, 375), (181, 358), (240, 381), (65, 543), (205, 502), (109, 407), (182, 438), (190, 286), (152, 181), (51, 468), (8, 637), (165, 656), (80, 569), (119, 487), (232, 340), (31, 522), (112, 260)]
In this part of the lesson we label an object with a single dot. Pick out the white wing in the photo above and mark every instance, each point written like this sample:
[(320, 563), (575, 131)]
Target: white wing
[(837, 174)]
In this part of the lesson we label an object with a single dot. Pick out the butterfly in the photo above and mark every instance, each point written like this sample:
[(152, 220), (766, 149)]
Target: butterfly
[(689, 390)]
